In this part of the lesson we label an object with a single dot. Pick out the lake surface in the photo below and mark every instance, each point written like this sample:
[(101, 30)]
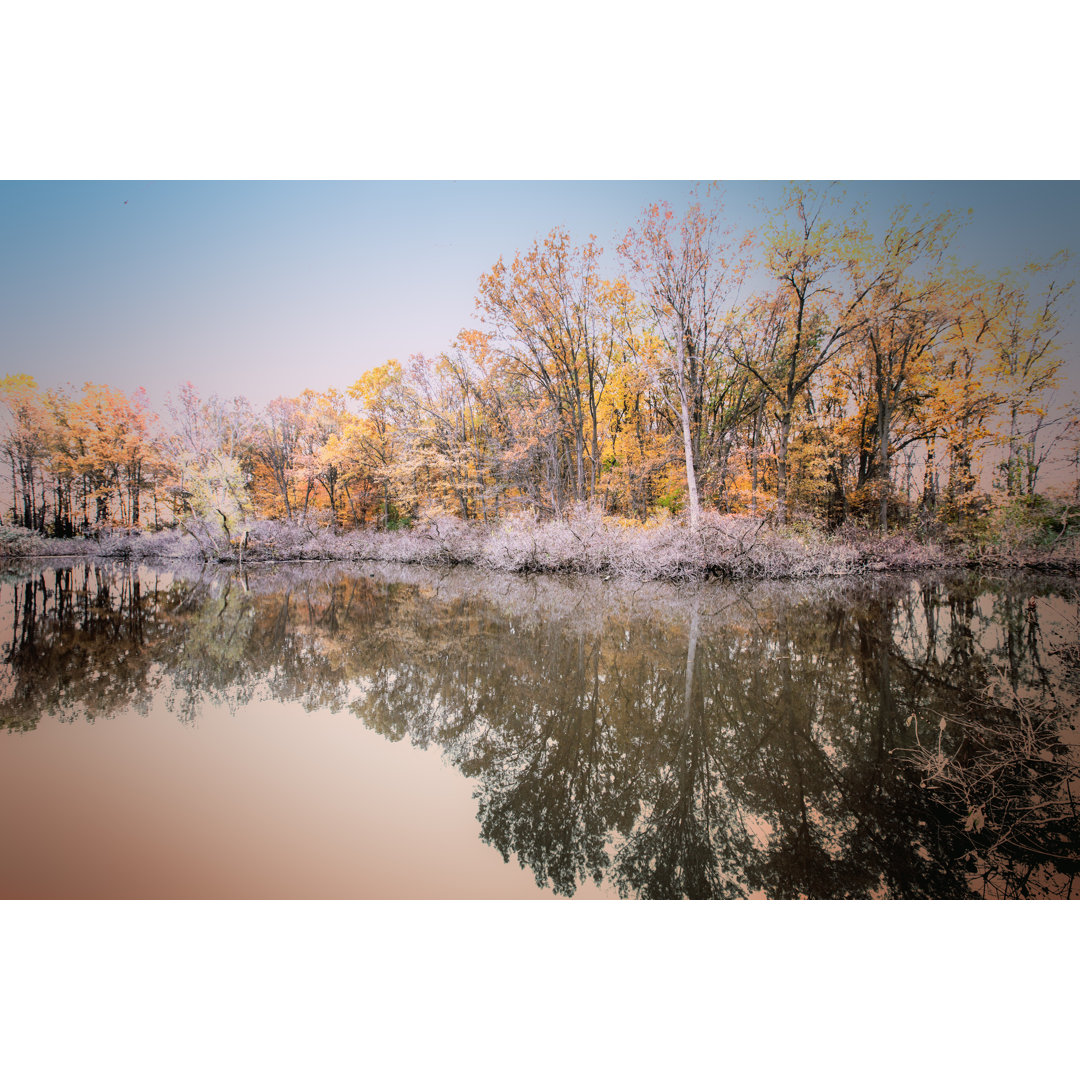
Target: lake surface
[(328, 731)]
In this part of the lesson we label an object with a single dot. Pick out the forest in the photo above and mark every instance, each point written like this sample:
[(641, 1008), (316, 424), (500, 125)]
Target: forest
[(815, 376)]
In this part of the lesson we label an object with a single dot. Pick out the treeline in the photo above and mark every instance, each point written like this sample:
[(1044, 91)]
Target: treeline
[(816, 370)]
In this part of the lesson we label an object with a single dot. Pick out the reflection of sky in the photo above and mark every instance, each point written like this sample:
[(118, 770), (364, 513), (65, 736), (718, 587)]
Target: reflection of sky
[(265, 800), (265, 288)]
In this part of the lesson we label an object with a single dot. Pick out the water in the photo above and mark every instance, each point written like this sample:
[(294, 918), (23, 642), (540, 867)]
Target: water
[(321, 731)]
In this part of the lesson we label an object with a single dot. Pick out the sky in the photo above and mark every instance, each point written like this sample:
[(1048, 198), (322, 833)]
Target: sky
[(268, 288)]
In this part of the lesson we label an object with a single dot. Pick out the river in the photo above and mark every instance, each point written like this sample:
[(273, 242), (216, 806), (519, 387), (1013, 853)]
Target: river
[(359, 731)]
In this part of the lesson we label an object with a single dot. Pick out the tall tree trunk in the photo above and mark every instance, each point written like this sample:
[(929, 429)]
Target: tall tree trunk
[(1012, 481), (929, 497), (579, 457), (782, 467), (685, 392), (755, 442), (691, 472), (883, 464), (136, 485)]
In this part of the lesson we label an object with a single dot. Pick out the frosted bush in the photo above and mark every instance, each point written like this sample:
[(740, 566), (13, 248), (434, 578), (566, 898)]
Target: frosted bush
[(15, 540), (583, 542)]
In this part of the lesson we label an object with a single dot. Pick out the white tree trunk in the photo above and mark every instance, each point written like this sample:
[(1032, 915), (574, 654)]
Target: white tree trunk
[(691, 472), (688, 442)]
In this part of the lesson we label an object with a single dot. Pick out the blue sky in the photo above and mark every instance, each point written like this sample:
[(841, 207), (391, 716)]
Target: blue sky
[(267, 288)]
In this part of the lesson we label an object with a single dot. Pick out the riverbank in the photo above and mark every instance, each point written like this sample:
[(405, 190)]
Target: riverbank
[(724, 547)]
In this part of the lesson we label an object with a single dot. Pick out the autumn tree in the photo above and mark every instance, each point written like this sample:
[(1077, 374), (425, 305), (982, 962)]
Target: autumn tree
[(449, 432), (809, 318), (276, 446), (688, 273), (637, 449), (965, 397), (1028, 362), (24, 447), (212, 454), (319, 421), (553, 320), (906, 318), (370, 441), (111, 444)]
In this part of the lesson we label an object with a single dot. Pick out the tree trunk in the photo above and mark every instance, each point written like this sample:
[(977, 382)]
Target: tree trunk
[(781, 467), (688, 438), (579, 457), (884, 423), (929, 497), (691, 472), (755, 440), (1012, 482), (136, 485)]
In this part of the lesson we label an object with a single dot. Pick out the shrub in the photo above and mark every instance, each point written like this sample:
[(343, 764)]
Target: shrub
[(583, 542), (15, 540)]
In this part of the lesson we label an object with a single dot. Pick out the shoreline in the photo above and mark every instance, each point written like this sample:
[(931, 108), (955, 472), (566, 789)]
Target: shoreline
[(723, 549)]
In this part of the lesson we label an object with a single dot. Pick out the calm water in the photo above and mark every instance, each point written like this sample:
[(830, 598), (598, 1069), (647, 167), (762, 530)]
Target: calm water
[(323, 732)]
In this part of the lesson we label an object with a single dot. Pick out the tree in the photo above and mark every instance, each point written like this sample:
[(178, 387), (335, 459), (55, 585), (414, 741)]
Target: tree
[(211, 454), (908, 314), (688, 273), (448, 428), (1029, 360), (112, 446), (553, 319), (809, 319), (964, 399), (24, 447), (320, 419), (277, 445), (371, 440)]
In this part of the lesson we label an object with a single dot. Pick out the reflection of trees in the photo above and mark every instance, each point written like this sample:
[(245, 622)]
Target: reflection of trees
[(1010, 768), (702, 743), (518, 704), (560, 781), (844, 822), (84, 641), (689, 839), (780, 780), (90, 640)]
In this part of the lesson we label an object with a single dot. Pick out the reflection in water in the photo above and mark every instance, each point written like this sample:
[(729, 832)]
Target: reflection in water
[(891, 738)]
